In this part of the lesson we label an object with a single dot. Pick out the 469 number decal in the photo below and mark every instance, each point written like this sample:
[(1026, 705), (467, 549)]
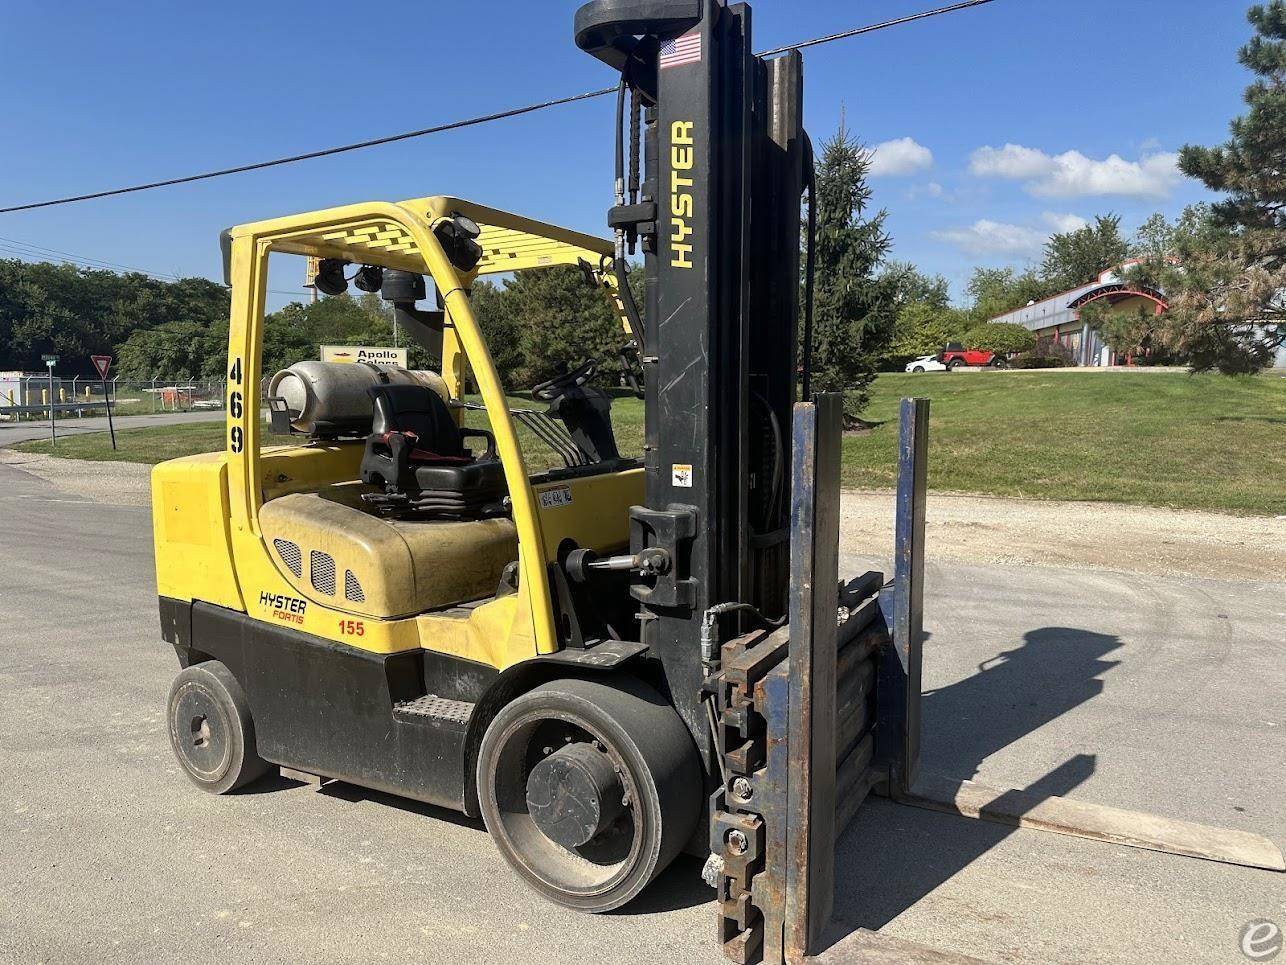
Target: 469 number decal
[(236, 407)]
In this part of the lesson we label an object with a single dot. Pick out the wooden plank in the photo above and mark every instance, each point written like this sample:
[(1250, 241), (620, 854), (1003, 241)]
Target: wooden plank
[(1097, 822), (865, 947)]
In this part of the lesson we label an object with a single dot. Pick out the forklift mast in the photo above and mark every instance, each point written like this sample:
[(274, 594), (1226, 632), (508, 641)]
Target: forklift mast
[(723, 149)]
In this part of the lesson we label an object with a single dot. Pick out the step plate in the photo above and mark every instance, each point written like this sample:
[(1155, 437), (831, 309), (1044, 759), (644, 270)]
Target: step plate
[(432, 707)]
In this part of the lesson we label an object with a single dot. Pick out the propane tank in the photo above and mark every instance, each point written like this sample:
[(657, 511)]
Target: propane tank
[(329, 398)]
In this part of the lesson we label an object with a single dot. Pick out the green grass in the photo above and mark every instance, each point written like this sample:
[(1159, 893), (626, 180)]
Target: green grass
[(1178, 440), (1197, 442), (150, 446)]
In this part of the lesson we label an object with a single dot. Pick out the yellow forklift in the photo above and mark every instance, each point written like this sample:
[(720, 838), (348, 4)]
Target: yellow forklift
[(427, 587), (422, 587)]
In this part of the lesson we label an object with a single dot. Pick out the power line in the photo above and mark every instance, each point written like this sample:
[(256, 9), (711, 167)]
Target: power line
[(467, 122), (89, 262), (871, 28), (26, 249)]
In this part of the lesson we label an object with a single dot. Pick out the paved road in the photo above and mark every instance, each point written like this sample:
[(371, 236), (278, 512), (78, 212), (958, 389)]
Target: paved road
[(13, 432), (1139, 692)]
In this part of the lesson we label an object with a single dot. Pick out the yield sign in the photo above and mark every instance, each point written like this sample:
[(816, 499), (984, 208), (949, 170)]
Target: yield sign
[(102, 363)]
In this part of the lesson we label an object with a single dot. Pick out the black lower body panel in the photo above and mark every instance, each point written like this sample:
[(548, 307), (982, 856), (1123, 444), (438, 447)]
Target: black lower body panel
[(327, 709)]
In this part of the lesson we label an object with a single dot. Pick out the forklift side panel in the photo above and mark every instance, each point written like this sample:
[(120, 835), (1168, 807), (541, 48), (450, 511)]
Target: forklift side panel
[(190, 531), (593, 511), (328, 709)]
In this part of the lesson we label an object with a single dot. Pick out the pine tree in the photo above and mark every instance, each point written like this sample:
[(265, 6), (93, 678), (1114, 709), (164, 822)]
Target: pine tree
[(848, 299), (1228, 303)]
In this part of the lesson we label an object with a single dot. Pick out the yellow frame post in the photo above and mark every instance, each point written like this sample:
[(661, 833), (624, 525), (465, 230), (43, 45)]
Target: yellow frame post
[(397, 235)]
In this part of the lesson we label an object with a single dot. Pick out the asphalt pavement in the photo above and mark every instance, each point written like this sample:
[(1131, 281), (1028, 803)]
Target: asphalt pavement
[(1143, 692)]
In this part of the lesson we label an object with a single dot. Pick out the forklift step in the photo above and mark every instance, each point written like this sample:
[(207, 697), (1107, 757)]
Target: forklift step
[(430, 707)]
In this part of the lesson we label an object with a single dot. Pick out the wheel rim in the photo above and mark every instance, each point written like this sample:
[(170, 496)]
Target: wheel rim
[(584, 871), (200, 733)]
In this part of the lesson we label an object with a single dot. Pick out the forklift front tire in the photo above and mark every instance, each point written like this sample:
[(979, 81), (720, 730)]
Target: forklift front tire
[(589, 789), (211, 730)]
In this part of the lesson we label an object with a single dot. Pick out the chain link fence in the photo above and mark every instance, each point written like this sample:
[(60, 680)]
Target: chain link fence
[(30, 396)]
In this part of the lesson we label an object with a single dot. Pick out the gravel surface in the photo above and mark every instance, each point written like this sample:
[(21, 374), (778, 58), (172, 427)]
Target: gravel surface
[(963, 528), (1154, 693), (1131, 539)]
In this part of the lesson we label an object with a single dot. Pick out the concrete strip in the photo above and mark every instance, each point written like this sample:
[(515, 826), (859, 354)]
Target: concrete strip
[(865, 947), (1133, 829)]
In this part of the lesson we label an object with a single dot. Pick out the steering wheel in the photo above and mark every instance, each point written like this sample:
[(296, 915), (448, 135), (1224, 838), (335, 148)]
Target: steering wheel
[(551, 389)]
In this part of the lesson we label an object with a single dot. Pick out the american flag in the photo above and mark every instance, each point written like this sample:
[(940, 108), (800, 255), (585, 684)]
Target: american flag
[(681, 50)]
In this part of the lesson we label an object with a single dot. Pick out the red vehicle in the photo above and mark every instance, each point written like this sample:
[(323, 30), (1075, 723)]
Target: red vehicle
[(954, 354)]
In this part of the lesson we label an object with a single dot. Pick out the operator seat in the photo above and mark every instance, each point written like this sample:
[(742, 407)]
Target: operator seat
[(416, 453)]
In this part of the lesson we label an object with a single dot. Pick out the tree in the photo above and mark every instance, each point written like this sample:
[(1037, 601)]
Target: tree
[(500, 327), (1228, 303), (174, 350), (75, 312), (1003, 338), (922, 329), (906, 285), (560, 319), (848, 335), (994, 291), (1073, 258)]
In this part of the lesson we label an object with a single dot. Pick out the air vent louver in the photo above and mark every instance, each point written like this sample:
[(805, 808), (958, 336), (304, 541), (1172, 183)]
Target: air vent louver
[(289, 553), (321, 570), (353, 589)]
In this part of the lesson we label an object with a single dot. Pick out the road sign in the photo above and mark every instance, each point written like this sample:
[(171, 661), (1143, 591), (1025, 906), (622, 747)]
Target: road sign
[(370, 354), (102, 363), (49, 360)]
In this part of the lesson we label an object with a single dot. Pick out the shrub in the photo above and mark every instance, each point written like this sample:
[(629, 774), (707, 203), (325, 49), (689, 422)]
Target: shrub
[(1003, 338), (1045, 354), (1030, 360)]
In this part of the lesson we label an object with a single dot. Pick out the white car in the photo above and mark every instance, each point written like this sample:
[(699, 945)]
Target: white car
[(928, 363)]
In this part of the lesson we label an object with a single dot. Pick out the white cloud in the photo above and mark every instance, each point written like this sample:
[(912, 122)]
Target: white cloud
[(1063, 223), (1072, 174), (930, 190), (900, 157), (986, 237)]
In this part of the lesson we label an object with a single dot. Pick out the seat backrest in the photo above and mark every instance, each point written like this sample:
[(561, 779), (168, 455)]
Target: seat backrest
[(418, 409)]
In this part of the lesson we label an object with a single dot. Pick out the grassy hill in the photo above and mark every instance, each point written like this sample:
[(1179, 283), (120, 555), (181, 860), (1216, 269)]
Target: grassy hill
[(1160, 439)]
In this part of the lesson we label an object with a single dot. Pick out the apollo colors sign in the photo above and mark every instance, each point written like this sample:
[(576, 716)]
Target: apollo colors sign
[(370, 354)]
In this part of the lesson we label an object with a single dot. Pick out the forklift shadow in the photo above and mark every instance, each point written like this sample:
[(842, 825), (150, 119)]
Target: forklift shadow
[(679, 886), (354, 794), (1054, 670), (273, 783), (1013, 694)]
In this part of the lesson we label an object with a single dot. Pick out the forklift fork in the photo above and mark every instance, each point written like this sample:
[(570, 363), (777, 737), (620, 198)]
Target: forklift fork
[(813, 715)]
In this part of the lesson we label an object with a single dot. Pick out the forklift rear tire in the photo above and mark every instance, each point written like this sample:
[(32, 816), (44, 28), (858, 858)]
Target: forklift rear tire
[(211, 731), (589, 789)]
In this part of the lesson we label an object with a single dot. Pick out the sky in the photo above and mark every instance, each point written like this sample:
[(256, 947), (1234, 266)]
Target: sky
[(992, 127)]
